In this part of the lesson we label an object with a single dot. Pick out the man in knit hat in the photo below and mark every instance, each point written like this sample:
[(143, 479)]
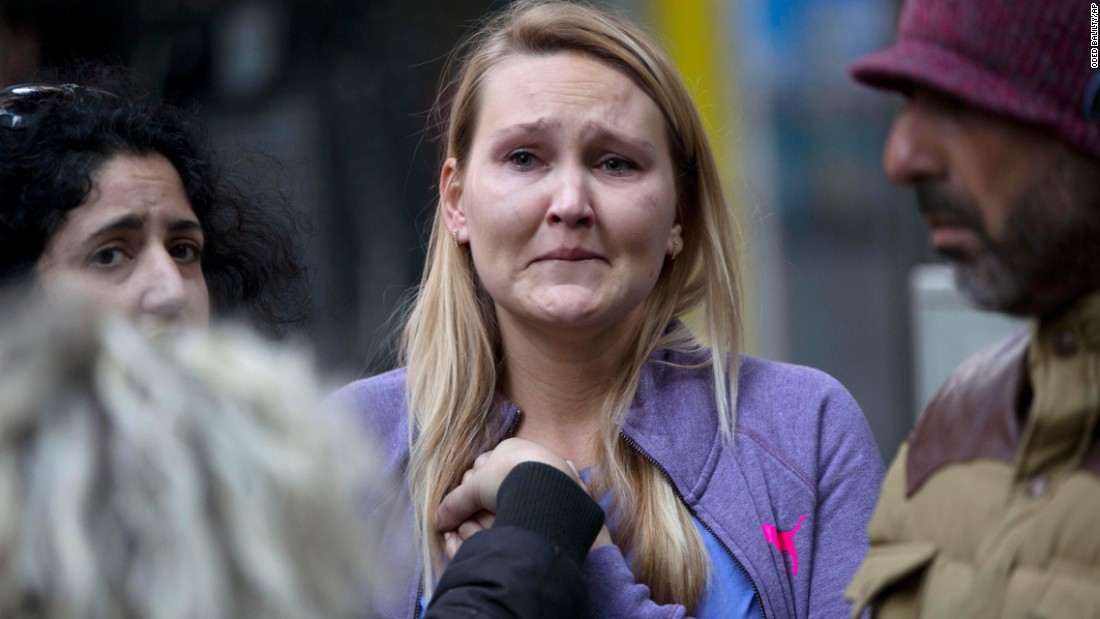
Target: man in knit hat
[(990, 508)]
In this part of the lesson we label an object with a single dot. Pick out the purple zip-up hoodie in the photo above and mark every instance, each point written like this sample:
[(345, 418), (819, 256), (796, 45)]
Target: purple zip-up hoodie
[(790, 499)]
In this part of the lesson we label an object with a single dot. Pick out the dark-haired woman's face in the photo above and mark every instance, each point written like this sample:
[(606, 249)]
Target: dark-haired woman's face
[(133, 246)]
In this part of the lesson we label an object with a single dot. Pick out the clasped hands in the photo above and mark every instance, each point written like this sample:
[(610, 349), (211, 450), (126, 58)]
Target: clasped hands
[(471, 507)]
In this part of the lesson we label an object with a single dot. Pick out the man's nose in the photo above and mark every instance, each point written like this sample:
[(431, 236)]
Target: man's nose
[(913, 151)]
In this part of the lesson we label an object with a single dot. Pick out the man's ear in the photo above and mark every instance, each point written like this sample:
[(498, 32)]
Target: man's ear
[(450, 201)]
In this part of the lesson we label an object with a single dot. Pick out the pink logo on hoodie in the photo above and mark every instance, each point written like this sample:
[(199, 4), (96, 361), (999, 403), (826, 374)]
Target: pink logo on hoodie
[(784, 541)]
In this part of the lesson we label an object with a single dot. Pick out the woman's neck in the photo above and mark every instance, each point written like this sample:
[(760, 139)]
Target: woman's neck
[(562, 383)]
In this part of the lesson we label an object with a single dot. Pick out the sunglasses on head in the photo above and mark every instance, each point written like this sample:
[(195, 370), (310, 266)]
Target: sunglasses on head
[(21, 103)]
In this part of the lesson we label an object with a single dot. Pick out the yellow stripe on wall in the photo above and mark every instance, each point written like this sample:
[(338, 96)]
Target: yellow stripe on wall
[(693, 33), (689, 29)]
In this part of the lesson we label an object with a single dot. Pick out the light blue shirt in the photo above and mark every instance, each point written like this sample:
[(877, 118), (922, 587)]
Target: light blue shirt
[(729, 593)]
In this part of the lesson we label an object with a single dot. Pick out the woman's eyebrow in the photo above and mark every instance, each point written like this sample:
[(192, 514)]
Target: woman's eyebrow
[(604, 133), (183, 225), (598, 132), (522, 128), (136, 224), (126, 222)]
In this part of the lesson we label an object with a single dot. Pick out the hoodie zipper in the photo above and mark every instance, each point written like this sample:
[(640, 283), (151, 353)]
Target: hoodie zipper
[(515, 424), (648, 458)]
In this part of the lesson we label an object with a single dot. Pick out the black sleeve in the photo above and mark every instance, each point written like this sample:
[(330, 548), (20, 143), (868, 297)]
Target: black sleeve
[(528, 564)]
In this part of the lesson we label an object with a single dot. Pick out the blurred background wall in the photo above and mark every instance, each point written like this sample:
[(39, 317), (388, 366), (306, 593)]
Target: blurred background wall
[(329, 99)]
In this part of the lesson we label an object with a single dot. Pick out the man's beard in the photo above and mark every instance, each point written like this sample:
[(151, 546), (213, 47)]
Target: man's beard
[(1048, 253)]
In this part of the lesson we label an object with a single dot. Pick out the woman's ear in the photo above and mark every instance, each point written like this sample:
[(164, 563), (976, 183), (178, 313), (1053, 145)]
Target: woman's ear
[(675, 241), (450, 201)]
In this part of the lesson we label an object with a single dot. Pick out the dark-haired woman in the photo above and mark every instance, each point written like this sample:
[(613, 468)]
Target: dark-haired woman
[(116, 198)]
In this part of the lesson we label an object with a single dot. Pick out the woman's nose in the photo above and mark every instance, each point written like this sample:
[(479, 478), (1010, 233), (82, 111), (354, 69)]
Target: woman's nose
[(164, 289), (571, 202)]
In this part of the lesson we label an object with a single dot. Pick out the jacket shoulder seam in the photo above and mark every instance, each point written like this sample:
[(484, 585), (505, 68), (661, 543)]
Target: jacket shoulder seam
[(774, 452)]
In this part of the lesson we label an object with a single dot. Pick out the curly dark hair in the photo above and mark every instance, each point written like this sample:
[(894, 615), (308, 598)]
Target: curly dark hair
[(251, 255)]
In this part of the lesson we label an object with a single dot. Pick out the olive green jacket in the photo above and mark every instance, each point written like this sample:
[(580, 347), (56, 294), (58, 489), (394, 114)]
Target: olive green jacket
[(992, 506)]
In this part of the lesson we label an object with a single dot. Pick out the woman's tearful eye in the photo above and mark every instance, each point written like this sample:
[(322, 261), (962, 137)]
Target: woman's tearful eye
[(617, 165), (522, 159)]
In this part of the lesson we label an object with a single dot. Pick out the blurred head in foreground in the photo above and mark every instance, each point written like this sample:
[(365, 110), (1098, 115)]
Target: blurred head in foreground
[(181, 477)]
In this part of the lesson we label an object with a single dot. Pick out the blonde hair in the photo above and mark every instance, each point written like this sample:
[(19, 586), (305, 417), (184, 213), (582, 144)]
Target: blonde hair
[(451, 343), (176, 479)]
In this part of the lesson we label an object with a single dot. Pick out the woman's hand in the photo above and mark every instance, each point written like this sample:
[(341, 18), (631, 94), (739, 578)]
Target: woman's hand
[(471, 506), (452, 540)]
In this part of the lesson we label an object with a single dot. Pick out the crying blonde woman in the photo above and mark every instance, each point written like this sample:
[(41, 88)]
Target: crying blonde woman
[(580, 218)]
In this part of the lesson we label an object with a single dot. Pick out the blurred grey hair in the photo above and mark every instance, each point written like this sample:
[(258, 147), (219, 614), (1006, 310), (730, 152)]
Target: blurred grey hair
[(187, 477)]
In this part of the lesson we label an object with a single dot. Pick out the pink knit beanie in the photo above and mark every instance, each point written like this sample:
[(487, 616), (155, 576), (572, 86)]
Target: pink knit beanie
[(1026, 59)]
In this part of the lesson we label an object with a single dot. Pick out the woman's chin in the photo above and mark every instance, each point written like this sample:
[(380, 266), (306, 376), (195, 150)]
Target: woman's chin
[(568, 307), (583, 318)]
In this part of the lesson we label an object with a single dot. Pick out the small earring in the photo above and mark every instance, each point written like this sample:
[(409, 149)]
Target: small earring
[(454, 236)]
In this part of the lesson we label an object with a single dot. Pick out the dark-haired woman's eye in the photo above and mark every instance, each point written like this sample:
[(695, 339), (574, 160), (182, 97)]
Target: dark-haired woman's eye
[(107, 257), (185, 252)]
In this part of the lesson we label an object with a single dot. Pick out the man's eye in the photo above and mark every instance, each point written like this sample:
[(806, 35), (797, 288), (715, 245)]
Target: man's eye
[(107, 257), (185, 252)]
